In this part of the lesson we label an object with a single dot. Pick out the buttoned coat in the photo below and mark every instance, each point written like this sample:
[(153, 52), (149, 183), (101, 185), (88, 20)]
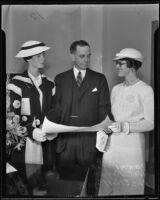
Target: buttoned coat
[(93, 106)]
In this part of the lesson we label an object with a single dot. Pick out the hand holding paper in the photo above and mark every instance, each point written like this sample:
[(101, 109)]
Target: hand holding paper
[(118, 127), (101, 126), (39, 135)]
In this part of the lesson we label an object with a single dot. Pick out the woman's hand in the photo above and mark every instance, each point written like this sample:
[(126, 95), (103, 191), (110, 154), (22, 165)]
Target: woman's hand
[(118, 127), (39, 135)]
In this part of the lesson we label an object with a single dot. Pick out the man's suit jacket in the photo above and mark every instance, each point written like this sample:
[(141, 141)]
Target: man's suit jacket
[(94, 104)]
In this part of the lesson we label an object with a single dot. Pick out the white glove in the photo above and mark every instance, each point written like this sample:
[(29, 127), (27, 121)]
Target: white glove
[(118, 127), (38, 135)]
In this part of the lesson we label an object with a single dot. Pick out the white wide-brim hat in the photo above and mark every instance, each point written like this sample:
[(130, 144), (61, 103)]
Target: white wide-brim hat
[(31, 48), (129, 53)]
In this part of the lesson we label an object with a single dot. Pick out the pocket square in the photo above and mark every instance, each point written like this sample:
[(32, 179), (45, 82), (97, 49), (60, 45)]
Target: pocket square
[(94, 90)]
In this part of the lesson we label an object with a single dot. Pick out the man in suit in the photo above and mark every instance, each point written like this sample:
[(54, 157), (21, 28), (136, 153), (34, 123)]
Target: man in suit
[(82, 99)]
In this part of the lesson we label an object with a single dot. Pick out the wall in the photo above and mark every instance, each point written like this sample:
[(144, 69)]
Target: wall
[(127, 26), (58, 27), (92, 27), (54, 25), (108, 28)]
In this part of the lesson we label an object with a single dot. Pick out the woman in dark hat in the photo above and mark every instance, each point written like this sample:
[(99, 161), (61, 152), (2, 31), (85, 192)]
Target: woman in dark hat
[(34, 91)]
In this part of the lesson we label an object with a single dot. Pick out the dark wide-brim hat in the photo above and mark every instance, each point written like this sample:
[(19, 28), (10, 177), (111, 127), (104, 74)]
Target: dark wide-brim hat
[(31, 48)]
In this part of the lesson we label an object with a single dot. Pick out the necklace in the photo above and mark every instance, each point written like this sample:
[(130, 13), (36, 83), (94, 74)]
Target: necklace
[(126, 83)]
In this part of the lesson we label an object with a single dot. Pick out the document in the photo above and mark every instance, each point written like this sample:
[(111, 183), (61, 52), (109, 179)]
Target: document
[(50, 127), (101, 141)]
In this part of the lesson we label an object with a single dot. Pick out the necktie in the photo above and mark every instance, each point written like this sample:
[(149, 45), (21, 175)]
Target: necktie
[(79, 79)]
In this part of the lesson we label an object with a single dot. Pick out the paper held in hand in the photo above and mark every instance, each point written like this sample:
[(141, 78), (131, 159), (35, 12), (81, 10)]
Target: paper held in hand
[(50, 127), (101, 141)]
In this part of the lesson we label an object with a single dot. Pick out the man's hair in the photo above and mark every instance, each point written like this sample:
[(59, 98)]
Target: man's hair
[(131, 63), (80, 43)]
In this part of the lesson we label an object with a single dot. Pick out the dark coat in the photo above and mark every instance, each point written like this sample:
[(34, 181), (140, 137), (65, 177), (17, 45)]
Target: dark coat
[(21, 86), (93, 106)]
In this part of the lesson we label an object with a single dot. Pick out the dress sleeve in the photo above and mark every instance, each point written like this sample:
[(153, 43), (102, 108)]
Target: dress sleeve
[(148, 104), (147, 101)]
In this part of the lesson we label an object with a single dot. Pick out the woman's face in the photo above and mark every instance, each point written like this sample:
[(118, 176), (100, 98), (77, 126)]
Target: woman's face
[(37, 61), (122, 69)]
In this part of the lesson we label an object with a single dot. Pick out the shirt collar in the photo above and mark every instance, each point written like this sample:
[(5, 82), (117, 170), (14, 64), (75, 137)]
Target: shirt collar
[(38, 78), (83, 72)]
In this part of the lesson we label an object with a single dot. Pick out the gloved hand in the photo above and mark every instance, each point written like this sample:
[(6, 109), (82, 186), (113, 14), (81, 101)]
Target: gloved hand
[(118, 127), (38, 135)]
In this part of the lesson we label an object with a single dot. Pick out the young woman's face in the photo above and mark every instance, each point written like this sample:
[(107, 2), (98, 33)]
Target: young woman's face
[(37, 61), (122, 69)]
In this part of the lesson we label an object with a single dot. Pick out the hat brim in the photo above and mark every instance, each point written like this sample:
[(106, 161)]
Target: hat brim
[(31, 52), (119, 58), (123, 57)]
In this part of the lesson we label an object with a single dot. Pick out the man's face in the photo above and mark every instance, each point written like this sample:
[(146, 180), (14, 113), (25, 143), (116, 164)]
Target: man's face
[(81, 57)]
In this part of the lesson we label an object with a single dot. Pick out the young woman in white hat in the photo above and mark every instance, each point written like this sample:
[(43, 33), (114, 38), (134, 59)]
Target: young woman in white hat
[(132, 101), (34, 91)]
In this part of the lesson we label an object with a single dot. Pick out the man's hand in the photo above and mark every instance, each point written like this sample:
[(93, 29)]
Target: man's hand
[(38, 135)]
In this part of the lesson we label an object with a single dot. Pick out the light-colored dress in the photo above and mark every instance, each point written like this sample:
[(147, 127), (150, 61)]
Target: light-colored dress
[(123, 165)]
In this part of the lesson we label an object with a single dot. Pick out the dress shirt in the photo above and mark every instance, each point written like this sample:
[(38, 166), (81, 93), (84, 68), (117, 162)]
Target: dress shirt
[(83, 72)]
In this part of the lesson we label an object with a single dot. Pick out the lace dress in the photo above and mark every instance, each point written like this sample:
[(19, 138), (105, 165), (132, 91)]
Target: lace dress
[(123, 165)]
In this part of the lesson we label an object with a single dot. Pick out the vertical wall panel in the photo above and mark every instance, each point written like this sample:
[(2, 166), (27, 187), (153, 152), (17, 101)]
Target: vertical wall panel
[(92, 27)]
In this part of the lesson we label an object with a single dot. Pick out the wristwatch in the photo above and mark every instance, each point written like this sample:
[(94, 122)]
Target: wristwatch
[(108, 131)]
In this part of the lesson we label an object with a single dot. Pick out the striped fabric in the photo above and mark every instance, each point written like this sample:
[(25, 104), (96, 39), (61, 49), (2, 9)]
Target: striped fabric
[(79, 79), (14, 88)]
